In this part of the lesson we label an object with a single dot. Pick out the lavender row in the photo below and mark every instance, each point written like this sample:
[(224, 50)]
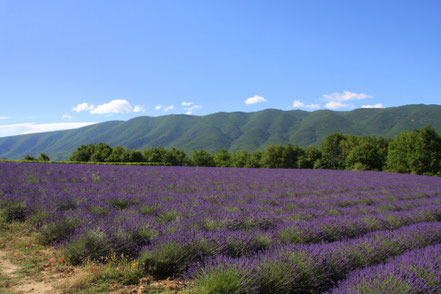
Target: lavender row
[(125, 233), (195, 245), (179, 215), (54, 191), (307, 268), (417, 271)]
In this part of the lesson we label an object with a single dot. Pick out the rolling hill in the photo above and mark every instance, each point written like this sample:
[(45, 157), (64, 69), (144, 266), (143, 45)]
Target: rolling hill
[(233, 131)]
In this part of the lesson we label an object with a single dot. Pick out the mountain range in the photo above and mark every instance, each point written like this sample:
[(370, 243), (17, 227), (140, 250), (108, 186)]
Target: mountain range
[(232, 131)]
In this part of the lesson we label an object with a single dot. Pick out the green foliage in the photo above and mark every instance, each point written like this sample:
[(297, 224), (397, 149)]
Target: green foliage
[(239, 158), (201, 158), (43, 157), (176, 157), (366, 156), (29, 158), (232, 131), (222, 158), (117, 155), (228, 280), (83, 153), (333, 152), (90, 245), (101, 152), (427, 156), (400, 150), (155, 154), (417, 152), (57, 231), (279, 156), (255, 159), (120, 203), (170, 258), (310, 156), (12, 211)]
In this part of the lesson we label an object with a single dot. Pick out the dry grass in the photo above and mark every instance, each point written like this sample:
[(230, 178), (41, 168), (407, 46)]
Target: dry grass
[(26, 266)]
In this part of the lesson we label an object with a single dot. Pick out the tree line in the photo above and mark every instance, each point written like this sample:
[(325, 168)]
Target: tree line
[(417, 152)]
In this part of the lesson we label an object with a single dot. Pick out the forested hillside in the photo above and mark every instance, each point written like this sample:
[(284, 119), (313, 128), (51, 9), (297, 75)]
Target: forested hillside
[(231, 131)]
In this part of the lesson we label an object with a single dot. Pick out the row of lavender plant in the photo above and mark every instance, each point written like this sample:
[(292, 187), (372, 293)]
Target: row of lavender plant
[(218, 200), (195, 245), (125, 232), (415, 272), (307, 268), (180, 215), (222, 195)]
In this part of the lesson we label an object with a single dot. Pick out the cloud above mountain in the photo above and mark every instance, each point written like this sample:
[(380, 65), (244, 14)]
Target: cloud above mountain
[(114, 106)]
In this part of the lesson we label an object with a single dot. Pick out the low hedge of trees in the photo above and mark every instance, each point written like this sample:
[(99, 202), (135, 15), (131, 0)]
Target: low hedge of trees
[(417, 152)]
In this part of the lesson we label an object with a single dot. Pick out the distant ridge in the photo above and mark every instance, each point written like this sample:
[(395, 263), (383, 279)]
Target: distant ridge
[(230, 130)]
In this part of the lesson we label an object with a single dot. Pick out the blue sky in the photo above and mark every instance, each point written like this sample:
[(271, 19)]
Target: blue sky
[(65, 64)]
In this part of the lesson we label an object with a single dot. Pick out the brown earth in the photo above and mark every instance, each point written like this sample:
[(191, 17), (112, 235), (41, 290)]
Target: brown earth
[(28, 267)]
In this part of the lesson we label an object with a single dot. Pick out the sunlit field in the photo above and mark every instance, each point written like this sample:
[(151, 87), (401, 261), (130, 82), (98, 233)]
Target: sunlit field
[(227, 230)]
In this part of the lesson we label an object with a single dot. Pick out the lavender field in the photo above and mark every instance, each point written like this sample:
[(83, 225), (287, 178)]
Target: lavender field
[(232, 230)]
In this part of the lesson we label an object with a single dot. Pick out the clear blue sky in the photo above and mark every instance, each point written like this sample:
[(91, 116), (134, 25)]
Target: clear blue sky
[(68, 63)]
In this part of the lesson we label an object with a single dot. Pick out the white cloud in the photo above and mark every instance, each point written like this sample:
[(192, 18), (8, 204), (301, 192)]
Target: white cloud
[(139, 108), (255, 99), (157, 107), (170, 107), (114, 106), (189, 107), (83, 107), (193, 107), (345, 96), (3, 117), (379, 105), (66, 116), (337, 104), (300, 104), (27, 128)]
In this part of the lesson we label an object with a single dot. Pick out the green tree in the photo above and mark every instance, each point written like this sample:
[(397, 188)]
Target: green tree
[(427, 156), (43, 157), (332, 152), (400, 152), (155, 154), (255, 159), (29, 157), (291, 155), (177, 157), (117, 154), (133, 156), (309, 157), (239, 158), (101, 153), (273, 156), (364, 157), (83, 153), (222, 158), (201, 158)]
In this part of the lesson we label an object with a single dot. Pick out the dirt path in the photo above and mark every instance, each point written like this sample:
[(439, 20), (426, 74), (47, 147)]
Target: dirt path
[(26, 266), (7, 268), (22, 284)]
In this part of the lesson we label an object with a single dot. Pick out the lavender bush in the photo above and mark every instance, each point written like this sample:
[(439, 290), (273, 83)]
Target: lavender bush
[(415, 272), (257, 230)]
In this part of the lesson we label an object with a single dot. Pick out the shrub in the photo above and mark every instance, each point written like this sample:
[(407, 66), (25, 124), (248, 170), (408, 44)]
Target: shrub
[(12, 211), (52, 232), (90, 245)]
